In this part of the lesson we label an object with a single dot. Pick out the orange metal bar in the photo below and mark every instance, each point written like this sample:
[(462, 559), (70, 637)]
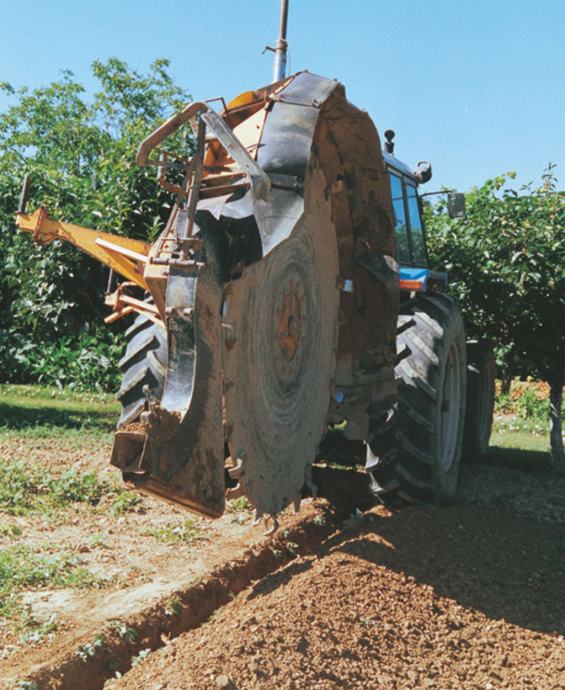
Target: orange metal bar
[(124, 255)]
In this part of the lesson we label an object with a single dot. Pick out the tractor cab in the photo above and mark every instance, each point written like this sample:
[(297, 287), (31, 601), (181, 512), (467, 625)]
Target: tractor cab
[(407, 213), (410, 234)]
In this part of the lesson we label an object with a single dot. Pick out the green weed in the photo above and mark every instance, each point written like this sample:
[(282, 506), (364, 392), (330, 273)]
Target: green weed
[(25, 490), (127, 634), (136, 660), (127, 502), (7, 530), (89, 648), (241, 504), (173, 605), (38, 631), (18, 488), (292, 548), (21, 567), (185, 533), (97, 539), (74, 488)]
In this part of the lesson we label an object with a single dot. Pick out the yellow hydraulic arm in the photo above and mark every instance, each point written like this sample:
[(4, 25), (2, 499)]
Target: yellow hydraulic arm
[(122, 254)]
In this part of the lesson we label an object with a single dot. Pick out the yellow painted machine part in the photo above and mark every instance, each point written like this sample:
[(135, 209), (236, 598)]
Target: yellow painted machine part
[(129, 264), (244, 98)]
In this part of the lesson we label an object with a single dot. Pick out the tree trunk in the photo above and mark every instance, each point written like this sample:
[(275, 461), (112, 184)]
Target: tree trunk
[(506, 384), (556, 439)]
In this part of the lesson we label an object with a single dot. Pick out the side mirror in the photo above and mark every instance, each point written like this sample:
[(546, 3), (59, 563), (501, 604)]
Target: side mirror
[(456, 205)]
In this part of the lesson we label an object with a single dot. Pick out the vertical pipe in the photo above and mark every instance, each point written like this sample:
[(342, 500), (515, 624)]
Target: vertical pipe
[(22, 206), (279, 71)]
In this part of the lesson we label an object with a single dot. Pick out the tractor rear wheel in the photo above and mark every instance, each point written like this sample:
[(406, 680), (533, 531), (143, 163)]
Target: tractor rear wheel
[(416, 455), (144, 364)]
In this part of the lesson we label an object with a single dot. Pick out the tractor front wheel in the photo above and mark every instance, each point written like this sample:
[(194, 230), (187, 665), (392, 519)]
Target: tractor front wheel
[(419, 461)]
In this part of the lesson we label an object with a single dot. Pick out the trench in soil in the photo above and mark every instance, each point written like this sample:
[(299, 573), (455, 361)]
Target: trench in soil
[(90, 665)]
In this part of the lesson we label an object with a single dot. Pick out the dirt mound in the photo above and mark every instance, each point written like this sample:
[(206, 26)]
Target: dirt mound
[(428, 598)]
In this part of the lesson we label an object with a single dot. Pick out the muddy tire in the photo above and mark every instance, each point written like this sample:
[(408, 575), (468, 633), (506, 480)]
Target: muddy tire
[(144, 364), (480, 400), (415, 456)]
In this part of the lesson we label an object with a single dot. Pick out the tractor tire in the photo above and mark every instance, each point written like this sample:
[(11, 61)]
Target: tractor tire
[(415, 456), (144, 364), (480, 400)]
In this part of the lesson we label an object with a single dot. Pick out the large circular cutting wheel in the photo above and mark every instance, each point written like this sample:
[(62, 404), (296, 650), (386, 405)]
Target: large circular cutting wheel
[(279, 362)]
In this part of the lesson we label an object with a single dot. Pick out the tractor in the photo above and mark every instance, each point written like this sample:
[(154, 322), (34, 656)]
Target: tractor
[(288, 298)]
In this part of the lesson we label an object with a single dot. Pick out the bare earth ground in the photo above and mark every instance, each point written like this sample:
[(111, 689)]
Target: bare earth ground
[(470, 596), (136, 556)]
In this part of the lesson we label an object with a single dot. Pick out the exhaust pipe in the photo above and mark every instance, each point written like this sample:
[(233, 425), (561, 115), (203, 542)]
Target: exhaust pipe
[(281, 46)]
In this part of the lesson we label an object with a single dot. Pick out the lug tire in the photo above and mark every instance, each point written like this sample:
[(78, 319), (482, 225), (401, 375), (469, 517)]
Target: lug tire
[(144, 364), (416, 455), (480, 400)]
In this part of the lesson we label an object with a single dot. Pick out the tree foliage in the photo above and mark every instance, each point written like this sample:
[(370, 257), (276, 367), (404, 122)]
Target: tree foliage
[(80, 152), (506, 261)]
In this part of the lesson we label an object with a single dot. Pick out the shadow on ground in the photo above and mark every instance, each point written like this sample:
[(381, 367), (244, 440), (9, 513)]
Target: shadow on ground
[(535, 461), (507, 567), (503, 563), (17, 417)]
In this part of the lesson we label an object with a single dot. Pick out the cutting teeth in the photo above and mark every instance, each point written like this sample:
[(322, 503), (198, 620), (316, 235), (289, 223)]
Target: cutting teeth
[(296, 504), (309, 481), (274, 527), (235, 492), (236, 471)]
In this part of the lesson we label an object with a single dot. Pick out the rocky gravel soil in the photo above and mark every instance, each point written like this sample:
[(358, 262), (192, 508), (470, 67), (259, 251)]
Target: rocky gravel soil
[(468, 596)]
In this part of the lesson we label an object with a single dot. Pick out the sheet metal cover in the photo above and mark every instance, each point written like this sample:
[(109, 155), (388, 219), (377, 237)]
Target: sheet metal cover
[(186, 431), (289, 129)]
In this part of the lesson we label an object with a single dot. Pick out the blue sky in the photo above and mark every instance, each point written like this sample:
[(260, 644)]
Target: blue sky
[(476, 87)]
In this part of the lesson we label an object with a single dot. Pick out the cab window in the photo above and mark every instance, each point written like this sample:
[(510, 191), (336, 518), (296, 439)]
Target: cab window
[(416, 230), (400, 228)]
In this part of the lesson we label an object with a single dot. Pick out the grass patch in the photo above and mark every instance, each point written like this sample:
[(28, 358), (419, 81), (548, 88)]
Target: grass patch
[(520, 444), (24, 491), (22, 567), (7, 530), (521, 424), (520, 434), (48, 409)]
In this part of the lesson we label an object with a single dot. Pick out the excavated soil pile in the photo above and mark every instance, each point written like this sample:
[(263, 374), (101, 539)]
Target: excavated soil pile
[(458, 597)]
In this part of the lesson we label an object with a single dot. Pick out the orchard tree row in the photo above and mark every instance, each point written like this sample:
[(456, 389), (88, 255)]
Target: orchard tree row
[(506, 259), (506, 264)]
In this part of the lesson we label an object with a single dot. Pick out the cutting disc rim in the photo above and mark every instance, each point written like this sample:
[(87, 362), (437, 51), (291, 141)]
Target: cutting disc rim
[(278, 370)]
